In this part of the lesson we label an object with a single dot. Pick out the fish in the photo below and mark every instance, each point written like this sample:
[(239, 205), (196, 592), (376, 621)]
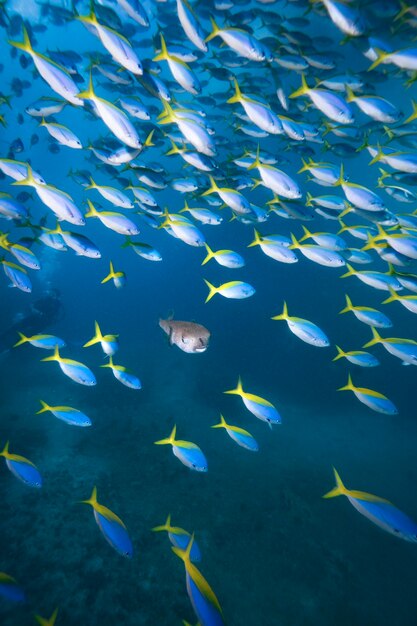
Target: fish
[(118, 278), (259, 407), (275, 246), (235, 289), (372, 399), (404, 349), (114, 118), (203, 599), (179, 538), (67, 414), (367, 315), (112, 220), (112, 528), (188, 336), (47, 342), (226, 258), (78, 372), (56, 76), (378, 510), (109, 343), (357, 357), (187, 452), (304, 329), (409, 302), (241, 436), (123, 375), (10, 589), (23, 469)]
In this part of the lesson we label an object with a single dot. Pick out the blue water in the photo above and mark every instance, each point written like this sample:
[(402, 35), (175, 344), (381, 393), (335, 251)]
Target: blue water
[(272, 550)]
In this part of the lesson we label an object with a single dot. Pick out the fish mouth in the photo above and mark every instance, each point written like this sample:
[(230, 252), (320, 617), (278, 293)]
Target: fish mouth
[(202, 349)]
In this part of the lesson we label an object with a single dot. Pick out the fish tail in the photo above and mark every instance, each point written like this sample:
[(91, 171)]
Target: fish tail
[(238, 391), (257, 240), (283, 315), (23, 339), (164, 54), (174, 150), (377, 157), (302, 90), (91, 18), (50, 622), (168, 440), (306, 166), (340, 354), (349, 386), (413, 115), (381, 56), (92, 212), (309, 199), (210, 254), (351, 272), (213, 187), (222, 423), (92, 185), (29, 180), (97, 336), (339, 490), (25, 45), (44, 408), (349, 305), (212, 290), (148, 141), (295, 244), (341, 180), (54, 357), (185, 555), (109, 364), (376, 338), (5, 451), (350, 94), (306, 235), (166, 526), (89, 92), (92, 499), (394, 296), (238, 94), (214, 32), (110, 275)]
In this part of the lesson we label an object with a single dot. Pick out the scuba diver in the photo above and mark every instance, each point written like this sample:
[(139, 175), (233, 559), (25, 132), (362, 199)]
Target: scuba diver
[(43, 313)]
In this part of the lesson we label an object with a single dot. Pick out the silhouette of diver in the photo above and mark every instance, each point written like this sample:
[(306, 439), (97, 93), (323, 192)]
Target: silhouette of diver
[(43, 313)]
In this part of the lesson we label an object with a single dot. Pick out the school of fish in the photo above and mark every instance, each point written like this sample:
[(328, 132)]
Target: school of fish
[(282, 92)]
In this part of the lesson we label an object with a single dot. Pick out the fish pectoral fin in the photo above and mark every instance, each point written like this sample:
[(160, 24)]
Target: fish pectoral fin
[(171, 336)]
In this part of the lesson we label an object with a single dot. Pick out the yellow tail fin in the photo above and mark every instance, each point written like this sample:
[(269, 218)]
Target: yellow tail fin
[(238, 391), (302, 90), (25, 45), (44, 408), (340, 354), (238, 94), (169, 440), (222, 423), (376, 338), (284, 315), (214, 32), (339, 490), (210, 254), (212, 290), (97, 336), (23, 339)]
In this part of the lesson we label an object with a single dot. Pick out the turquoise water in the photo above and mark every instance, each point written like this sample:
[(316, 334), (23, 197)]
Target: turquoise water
[(273, 550)]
